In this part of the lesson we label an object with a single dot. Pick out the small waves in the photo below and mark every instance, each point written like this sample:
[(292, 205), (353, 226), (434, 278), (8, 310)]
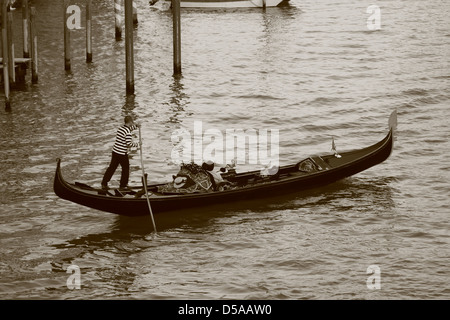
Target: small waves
[(310, 69)]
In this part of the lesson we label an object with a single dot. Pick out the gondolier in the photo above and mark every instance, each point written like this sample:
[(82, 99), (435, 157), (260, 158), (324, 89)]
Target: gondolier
[(120, 153)]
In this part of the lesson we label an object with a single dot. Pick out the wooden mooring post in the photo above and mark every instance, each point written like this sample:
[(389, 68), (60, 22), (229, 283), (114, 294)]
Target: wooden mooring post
[(67, 50), (11, 57), (176, 37), (34, 51), (5, 62), (25, 24), (14, 68), (129, 51), (88, 31)]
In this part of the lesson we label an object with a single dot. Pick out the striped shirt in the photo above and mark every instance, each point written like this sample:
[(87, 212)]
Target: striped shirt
[(123, 140)]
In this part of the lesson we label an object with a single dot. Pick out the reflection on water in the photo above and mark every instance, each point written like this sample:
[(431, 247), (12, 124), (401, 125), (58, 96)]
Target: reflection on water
[(179, 101)]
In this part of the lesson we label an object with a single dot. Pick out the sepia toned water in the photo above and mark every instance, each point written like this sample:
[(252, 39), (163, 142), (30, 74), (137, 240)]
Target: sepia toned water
[(311, 69)]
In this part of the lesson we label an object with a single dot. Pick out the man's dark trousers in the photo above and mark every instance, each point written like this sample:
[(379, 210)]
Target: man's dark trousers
[(117, 159)]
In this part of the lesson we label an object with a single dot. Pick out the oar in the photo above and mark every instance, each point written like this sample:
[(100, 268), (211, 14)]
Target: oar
[(144, 181)]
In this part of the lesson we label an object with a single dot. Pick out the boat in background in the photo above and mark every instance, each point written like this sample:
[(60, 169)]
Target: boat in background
[(226, 3)]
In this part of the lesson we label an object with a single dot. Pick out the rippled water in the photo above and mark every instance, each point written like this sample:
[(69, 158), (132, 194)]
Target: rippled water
[(311, 69)]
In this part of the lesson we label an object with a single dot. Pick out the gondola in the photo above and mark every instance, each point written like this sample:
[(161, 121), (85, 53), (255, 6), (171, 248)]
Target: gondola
[(309, 173)]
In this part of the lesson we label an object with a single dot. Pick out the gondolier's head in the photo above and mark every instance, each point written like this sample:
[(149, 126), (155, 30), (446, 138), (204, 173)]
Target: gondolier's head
[(128, 120)]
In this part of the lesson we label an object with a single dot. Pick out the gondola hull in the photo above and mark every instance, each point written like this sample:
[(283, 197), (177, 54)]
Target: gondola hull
[(288, 180)]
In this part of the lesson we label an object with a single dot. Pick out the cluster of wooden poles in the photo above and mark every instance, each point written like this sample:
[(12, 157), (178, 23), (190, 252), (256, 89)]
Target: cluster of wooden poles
[(118, 10), (9, 62), (131, 20)]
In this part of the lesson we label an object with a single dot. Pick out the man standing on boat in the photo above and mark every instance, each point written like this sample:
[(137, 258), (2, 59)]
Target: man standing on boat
[(120, 154)]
